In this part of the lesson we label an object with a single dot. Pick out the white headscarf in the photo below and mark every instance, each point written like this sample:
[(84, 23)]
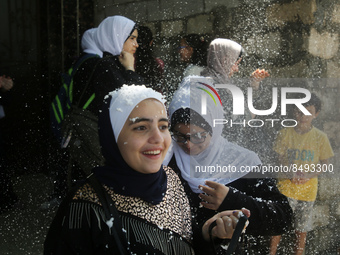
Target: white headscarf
[(112, 33), (222, 55), (220, 152), (125, 100), (88, 44)]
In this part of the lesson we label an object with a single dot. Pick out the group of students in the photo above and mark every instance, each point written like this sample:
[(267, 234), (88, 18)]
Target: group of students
[(148, 197)]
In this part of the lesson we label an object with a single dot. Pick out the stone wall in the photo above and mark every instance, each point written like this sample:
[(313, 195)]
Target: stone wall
[(289, 38)]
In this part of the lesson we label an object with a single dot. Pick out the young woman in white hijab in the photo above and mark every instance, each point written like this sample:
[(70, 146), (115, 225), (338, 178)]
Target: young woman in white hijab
[(199, 153), (115, 42), (224, 58), (153, 210), (108, 65)]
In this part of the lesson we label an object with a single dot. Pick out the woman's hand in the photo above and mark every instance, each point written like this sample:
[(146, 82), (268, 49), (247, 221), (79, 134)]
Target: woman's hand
[(214, 195), (127, 60), (225, 224), (257, 76)]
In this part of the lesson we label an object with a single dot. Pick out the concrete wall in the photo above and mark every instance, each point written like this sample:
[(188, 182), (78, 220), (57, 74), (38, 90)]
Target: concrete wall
[(288, 38)]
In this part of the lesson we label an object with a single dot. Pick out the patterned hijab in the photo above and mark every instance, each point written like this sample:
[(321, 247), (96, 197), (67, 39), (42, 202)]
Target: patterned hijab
[(112, 33), (116, 173), (222, 55), (220, 152)]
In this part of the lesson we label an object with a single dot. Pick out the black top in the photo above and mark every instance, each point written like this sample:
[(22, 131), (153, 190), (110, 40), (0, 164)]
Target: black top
[(270, 211), (108, 75), (80, 225)]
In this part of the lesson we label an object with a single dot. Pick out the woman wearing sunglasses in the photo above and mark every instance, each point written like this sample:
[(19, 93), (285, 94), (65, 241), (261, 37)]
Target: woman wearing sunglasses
[(215, 172)]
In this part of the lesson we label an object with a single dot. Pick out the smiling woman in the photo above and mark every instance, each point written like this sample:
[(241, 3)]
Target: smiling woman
[(145, 138), (149, 212)]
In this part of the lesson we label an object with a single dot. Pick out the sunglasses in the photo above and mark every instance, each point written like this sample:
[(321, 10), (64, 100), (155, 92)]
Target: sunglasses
[(196, 138)]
